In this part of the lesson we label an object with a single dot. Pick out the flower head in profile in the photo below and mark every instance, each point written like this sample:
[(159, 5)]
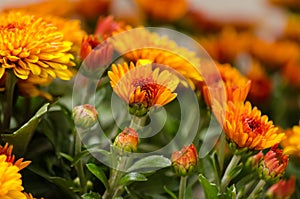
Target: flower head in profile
[(291, 141), (10, 158), (273, 164), (85, 116), (185, 160), (127, 140), (159, 50), (10, 180), (246, 127), (143, 87), (237, 86), (283, 189), (32, 46)]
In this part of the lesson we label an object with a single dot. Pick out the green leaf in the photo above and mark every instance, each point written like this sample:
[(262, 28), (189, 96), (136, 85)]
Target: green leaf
[(21, 138), (66, 156), (98, 172), (91, 195), (154, 161), (132, 177), (210, 189), (173, 195)]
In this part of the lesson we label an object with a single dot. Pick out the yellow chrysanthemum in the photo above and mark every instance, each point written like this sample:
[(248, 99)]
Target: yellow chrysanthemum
[(291, 141), (10, 180), (246, 127), (71, 30), (142, 87), (237, 86), (31, 46), (141, 44), (29, 196)]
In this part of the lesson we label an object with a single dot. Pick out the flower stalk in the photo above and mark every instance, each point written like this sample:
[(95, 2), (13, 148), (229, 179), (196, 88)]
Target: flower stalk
[(227, 177), (257, 189), (182, 187)]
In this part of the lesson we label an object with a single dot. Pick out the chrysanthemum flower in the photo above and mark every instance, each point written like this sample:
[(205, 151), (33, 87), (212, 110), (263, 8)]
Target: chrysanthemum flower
[(246, 127), (91, 9), (142, 87), (32, 46), (127, 140), (160, 50), (167, 10), (10, 180), (291, 141), (292, 29), (7, 151), (237, 86)]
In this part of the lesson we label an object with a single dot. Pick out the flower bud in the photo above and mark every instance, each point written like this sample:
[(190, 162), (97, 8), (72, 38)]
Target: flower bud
[(185, 160), (283, 189), (273, 164), (127, 140), (85, 116)]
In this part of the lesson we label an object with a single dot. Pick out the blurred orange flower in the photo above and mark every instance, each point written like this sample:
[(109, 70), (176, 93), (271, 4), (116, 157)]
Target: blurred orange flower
[(91, 9), (246, 127), (160, 50), (164, 10), (283, 189), (142, 87), (291, 73), (261, 84), (237, 86), (291, 141)]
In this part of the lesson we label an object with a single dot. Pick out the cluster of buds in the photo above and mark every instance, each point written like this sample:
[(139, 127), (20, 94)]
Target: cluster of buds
[(85, 116), (272, 165), (127, 140), (185, 161)]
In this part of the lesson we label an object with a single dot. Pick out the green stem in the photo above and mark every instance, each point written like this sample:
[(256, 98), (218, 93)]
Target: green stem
[(257, 189), (245, 189), (79, 166), (137, 122), (221, 151), (11, 81), (227, 177), (182, 187)]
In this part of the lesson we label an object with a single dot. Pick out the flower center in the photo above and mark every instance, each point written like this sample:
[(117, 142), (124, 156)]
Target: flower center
[(251, 125)]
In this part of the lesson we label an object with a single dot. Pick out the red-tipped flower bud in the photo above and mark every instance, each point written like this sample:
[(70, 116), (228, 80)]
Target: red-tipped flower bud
[(273, 164), (85, 116), (185, 160), (127, 140), (283, 189)]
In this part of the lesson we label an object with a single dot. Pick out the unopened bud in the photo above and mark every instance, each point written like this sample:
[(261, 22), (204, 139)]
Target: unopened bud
[(85, 116), (185, 161), (283, 189), (127, 140)]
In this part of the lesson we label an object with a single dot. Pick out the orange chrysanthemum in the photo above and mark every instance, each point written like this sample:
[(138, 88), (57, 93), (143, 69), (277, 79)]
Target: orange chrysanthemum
[(291, 141), (291, 73), (32, 47), (60, 8), (237, 86), (159, 50), (10, 180), (246, 127), (167, 10), (7, 151), (142, 87), (292, 29)]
